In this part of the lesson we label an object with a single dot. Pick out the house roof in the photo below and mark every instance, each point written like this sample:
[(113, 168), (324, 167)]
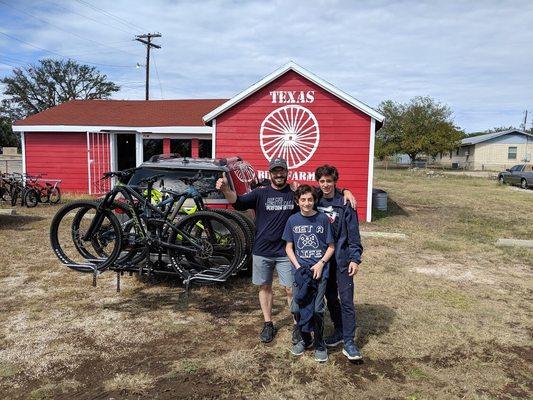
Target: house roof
[(483, 138), (306, 74), (124, 113)]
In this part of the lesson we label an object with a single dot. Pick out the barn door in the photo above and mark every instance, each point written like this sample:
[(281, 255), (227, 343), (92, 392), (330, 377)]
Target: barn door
[(99, 161)]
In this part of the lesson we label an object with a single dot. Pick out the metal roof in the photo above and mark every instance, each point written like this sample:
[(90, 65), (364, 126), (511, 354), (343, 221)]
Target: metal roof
[(483, 138)]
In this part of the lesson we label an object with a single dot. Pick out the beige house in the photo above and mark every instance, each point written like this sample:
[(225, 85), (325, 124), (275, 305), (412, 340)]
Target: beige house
[(493, 151)]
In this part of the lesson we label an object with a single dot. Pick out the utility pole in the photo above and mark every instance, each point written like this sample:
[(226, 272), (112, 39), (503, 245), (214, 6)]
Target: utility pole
[(147, 40)]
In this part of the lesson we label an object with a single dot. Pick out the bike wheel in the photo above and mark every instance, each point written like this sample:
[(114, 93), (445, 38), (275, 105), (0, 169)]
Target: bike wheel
[(66, 241), (94, 249), (213, 247), (247, 234), (14, 196), (54, 196), (31, 198)]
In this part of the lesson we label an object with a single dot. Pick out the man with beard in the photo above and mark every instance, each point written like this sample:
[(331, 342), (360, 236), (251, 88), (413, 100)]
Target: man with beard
[(273, 205)]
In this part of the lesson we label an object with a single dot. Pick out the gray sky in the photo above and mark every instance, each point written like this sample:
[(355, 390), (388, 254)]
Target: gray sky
[(475, 56)]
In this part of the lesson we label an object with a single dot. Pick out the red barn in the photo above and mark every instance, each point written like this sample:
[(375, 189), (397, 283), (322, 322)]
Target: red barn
[(290, 113)]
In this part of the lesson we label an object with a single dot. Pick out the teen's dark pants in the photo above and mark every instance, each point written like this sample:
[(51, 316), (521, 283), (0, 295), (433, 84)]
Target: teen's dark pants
[(339, 298), (318, 315)]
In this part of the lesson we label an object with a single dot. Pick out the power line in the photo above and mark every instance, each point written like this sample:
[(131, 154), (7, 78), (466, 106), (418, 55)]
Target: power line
[(91, 19), (118, 19), (64, 30), (158, 80), (61, 55)]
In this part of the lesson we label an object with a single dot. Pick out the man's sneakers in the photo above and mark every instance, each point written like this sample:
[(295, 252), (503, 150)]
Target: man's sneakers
[(296, 335), (333, 340), (268, 332), (299, 348), (321, 355), (351, 351)]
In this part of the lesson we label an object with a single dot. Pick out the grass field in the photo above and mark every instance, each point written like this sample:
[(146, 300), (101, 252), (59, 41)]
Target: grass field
[(442, 315)]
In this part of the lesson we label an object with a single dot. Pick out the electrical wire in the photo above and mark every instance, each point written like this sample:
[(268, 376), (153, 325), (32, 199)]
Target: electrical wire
[(64, 30), (157, 75), (61, 55), (118, 19), (90, 18)]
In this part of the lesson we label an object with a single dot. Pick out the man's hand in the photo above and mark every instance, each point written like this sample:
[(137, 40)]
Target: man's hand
[(222, 184), (348, 198), (317, 270), (353, 268), (294, 185)]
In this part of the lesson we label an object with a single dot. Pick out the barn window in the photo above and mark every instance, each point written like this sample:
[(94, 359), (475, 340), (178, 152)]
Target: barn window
[(152, 147), (204, 148), (181, 146), (511, 154)]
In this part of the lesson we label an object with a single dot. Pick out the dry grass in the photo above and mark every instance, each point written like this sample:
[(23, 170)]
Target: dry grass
[(444, 314)]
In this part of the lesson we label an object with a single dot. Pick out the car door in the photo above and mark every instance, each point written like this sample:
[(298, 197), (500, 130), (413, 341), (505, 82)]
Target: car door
[(514, 177)]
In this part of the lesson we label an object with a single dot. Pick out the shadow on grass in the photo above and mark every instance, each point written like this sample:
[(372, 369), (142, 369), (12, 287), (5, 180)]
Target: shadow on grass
[(393, 209), (11, 222), (220, 300), (372, 320)]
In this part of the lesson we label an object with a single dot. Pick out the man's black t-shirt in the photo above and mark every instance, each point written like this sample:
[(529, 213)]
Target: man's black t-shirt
[(272, 210)]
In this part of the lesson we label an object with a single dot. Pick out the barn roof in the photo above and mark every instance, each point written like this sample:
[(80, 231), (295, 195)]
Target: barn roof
[(483, 138), (306, 74), (123, 113)]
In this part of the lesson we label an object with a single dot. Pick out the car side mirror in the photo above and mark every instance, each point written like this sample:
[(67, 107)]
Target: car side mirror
[(507, 169)]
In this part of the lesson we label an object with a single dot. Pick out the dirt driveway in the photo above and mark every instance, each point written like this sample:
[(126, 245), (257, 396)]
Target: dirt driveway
[(444, 314)]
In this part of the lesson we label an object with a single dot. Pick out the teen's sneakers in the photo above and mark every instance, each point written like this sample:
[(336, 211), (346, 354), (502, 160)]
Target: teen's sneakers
[(351, 351), (333, 340), (299, 348), (321, 355), (268, 332), (296, 335)]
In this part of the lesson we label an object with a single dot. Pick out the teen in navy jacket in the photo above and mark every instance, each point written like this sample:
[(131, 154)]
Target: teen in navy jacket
[(344, 266)]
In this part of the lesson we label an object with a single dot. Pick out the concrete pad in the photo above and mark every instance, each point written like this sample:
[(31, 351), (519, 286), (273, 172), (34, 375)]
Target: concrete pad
[(8, 211), (515, 243), (385, 235)]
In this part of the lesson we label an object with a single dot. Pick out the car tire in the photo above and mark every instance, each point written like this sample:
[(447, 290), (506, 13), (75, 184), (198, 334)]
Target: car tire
[(500, 180), (523, 183)]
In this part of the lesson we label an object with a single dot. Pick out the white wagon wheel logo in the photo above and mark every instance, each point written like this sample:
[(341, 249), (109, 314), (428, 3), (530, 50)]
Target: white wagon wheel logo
[(244, 172), (290, 132)]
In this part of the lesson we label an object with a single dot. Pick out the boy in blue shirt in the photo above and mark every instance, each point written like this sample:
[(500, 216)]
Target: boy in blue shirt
[(309, 247), (345, 264)]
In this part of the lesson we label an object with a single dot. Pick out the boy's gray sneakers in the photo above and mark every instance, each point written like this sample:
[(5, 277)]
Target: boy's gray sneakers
[(321, 355), (352, 352), (334, 340), (299, 348), (296, 335)]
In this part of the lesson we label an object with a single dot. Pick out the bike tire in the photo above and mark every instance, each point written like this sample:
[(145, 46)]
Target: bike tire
[(55, 242), (248, 235), (31, 198), (127, 252), (227, 244), (57, 199)]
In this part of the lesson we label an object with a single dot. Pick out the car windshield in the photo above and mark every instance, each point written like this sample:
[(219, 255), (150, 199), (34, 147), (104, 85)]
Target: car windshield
[(172, 180), (516, 168)]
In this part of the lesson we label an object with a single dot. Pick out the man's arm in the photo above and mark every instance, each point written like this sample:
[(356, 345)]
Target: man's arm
[(223, 186)]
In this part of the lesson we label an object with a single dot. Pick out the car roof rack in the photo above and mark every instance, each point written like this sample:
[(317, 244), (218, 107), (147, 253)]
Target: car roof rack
[(161, 157)]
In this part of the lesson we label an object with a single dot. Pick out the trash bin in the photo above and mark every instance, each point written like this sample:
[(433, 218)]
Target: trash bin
[(379, 199)]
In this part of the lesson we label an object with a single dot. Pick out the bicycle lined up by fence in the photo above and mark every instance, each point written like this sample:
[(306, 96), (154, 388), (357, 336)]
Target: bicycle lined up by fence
[(139, 229), (29, 190)]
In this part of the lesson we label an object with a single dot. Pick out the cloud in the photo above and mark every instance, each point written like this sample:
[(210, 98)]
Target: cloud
[(474, 56)]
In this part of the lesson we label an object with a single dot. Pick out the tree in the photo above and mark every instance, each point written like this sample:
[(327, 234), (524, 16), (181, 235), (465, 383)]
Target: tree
[(35, 88), (420, 126), (7, 137)]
